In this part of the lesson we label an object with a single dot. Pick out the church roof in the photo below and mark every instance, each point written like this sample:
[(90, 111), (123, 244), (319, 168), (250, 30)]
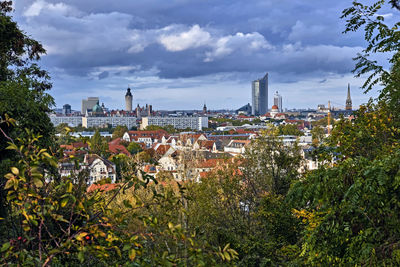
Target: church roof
[(97, 108)]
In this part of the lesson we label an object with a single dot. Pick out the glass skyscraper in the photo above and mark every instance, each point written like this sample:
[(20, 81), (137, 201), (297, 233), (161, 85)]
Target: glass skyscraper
[(259, 94)]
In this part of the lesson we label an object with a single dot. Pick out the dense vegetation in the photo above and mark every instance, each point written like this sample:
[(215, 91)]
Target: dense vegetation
[(258, 210)]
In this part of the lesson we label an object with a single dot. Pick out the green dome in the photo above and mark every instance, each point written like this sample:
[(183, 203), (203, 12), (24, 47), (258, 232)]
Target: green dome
[(97, 108)]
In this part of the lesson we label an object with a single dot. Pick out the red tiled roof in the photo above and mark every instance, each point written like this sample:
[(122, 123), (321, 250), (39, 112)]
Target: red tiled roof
[(118, 149), (116, 141), (210, 163), (149, 169), (204, 174), (102, 188), (162, 149), (206, 144)]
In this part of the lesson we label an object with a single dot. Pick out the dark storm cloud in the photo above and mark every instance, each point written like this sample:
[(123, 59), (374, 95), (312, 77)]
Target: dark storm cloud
[(100, 39)]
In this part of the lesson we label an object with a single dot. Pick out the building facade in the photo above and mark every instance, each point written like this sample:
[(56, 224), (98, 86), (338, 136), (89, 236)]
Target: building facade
[(278, 101), (99, 168), (104, 121), (259, 94), (72, 121), (195, 123), (88, 104)]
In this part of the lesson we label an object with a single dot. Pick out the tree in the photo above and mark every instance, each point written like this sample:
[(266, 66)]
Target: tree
[(98, 145), (350, 209), (318, 134), (55, 222), (243, 203), (153, 128), (374, 132), (119, 131), (270, 165), (289, 129), (134, 148), (22, 91), (18, 53), (381, 38), (350, 212)]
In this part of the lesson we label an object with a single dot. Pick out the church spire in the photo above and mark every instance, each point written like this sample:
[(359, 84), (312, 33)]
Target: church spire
[(349, 105)]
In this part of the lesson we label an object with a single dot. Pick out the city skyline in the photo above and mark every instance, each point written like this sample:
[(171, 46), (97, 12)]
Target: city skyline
[(180, 54)]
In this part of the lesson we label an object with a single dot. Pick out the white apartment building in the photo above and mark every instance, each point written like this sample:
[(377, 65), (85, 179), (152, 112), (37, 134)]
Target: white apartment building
[(195, 123), (72, 121), (98, 121)]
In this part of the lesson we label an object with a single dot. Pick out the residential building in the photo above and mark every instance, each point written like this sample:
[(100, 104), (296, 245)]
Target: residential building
[(146, 137), (259, 95), (99, 168), (237, 146), (114, 121), (72, 121), (195, 123)]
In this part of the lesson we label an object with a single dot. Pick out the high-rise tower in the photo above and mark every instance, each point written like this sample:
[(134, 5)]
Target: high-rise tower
[(259, 94), (349, 104), (128, 100), (278, 101)]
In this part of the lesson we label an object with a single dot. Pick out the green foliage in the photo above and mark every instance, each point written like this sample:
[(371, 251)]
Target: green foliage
[(350, 212), (318, 135), (381, 38), (243, 203), (22, 86), (322, 122), (372, 133), (289, 129), (54, 221), (270, 165), (119, 131), (134, 148), (99, 145), (18, 53)]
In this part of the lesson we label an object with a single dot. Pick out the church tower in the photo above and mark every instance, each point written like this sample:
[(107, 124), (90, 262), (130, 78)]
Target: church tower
[(128, 100), (349, 105)]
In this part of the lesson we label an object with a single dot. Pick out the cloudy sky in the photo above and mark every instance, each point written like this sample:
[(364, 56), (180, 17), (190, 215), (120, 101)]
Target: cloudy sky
[(178, 54)]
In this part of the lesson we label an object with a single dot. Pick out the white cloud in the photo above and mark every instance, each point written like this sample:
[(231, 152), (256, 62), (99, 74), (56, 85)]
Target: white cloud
[(230, 43), (194, 37), (59, 8)]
